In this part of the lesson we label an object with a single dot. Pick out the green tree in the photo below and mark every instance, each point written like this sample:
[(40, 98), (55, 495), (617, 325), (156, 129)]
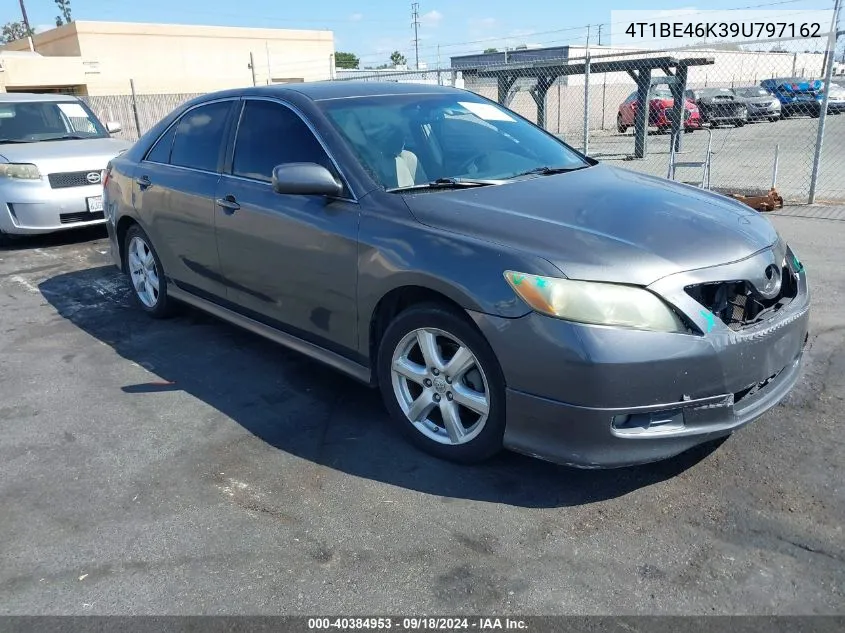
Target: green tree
[(346, 60), (491, 50), (14, 31), (521, 47), (64, 7), (397, 59)]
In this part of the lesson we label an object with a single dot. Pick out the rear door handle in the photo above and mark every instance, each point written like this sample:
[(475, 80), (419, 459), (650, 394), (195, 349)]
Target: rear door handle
[(229, 204), (144, 181)]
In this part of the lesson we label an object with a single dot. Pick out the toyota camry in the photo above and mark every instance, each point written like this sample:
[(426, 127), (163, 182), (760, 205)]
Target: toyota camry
[(499, 288)]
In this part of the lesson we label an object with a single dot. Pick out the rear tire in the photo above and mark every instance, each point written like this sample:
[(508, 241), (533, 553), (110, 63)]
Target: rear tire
[(620, 127), (458, 417), (146, 274)]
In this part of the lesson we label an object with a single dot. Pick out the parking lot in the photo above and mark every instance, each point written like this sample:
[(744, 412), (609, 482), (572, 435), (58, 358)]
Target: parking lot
[(743, 158), (185, 466)]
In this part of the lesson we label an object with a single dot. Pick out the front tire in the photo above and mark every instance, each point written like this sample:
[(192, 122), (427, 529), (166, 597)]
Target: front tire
[(146, 274), (442, 384)]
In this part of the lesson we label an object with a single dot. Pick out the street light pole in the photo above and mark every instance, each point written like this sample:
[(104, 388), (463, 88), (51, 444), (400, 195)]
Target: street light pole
[(26, 26)]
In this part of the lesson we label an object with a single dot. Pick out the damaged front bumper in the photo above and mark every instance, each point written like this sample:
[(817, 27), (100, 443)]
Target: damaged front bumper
[(604, 397)]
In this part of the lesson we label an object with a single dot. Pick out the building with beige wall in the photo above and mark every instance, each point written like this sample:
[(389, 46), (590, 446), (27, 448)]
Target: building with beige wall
[(100, 58)]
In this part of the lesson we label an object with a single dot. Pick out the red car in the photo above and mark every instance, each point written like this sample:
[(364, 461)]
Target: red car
[(660, 106)]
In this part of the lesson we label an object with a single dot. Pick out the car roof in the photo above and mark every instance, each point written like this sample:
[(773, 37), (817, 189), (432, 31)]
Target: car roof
[(19, 97), (323, 90)]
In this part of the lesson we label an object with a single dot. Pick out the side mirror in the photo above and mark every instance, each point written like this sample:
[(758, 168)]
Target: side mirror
[(113, 127), (305, 179)]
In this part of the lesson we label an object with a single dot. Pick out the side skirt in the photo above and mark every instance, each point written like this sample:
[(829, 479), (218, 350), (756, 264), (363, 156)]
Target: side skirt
[(336, 361)]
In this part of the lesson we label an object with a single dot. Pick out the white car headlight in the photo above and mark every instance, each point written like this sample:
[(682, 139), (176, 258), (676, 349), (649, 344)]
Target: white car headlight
[(595, 302), (19, 171)]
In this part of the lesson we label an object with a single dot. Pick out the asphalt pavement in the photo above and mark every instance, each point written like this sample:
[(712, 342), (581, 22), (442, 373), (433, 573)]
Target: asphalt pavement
[(188, 467)]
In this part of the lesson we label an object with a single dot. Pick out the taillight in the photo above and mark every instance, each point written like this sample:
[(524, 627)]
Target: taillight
[(104, 177)]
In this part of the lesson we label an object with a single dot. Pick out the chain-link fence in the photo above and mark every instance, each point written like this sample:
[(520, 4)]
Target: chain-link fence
[(135, 113), (740, 121), (750, 119)]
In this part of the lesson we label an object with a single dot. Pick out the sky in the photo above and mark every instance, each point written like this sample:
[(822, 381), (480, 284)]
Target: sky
[(372, 29)]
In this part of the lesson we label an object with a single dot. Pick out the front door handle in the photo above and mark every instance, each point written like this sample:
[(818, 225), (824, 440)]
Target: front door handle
[(229, 204), (144, 182)]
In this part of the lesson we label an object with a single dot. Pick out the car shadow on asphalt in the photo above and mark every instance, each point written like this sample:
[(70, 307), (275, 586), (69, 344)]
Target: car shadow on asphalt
[(309, 410), (48, 240)]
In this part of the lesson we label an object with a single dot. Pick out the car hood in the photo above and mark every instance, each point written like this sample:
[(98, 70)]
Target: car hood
[(761, 100), (62, 156), (722, 98), (603, 223)]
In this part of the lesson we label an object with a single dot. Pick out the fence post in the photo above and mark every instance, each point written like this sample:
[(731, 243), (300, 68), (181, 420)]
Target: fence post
[(587, 105), (135, 107), (828, 74)]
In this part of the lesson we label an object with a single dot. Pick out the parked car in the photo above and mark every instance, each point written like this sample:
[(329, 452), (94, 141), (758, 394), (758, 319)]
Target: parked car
[(759, 102), (719, 106), (500, 288), (53, 150), (836, 100), (659, 111), (797, 96)]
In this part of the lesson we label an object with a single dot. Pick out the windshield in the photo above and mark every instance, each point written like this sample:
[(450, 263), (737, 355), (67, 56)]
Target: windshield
[(754, 92), (32, 121), (407, 140), (661, 93)]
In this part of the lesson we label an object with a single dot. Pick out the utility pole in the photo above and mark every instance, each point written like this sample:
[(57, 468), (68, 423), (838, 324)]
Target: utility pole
[(415, 15), (599, 34), (26, 26)]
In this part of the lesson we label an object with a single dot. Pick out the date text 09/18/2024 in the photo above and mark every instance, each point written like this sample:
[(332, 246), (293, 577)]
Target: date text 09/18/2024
[(422, 623)]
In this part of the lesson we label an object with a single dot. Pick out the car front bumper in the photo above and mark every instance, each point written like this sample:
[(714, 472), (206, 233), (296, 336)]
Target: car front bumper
[(32, 207), (604, 397), (763, 112)]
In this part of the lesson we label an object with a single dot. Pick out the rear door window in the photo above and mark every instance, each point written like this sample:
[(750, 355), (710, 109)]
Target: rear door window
[(199, 139)]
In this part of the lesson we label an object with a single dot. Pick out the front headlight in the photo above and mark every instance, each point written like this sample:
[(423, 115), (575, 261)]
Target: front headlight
[(19, 171), (595, 302)]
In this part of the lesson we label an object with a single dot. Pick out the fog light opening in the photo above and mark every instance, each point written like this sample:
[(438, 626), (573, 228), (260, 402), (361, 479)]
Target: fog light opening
[(654, 422)]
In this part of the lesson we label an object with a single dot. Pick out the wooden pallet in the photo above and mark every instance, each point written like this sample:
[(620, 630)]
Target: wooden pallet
[(769, 202)]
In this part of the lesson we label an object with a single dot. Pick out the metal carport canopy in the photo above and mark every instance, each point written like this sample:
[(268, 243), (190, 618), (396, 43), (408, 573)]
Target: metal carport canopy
[(546, 73)]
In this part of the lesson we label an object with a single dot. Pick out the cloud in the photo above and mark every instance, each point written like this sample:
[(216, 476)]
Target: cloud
[(482, 23), (432, 18), (356, 17)]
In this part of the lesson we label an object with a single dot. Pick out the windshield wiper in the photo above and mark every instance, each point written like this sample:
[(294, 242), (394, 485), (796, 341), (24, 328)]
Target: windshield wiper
[(446, 183), (545, 170), (66, 137)]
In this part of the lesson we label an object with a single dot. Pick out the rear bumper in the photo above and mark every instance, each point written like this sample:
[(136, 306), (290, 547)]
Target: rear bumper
[(33, 207)]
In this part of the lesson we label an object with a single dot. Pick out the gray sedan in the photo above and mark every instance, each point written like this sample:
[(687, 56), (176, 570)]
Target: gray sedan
[(501, 289), (760, 103)]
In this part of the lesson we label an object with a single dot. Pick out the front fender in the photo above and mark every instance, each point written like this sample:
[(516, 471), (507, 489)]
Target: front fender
[(397, 253)]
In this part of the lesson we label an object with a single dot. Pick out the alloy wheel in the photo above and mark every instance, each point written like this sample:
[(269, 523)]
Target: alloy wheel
[(143, 272), (440, 386)]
